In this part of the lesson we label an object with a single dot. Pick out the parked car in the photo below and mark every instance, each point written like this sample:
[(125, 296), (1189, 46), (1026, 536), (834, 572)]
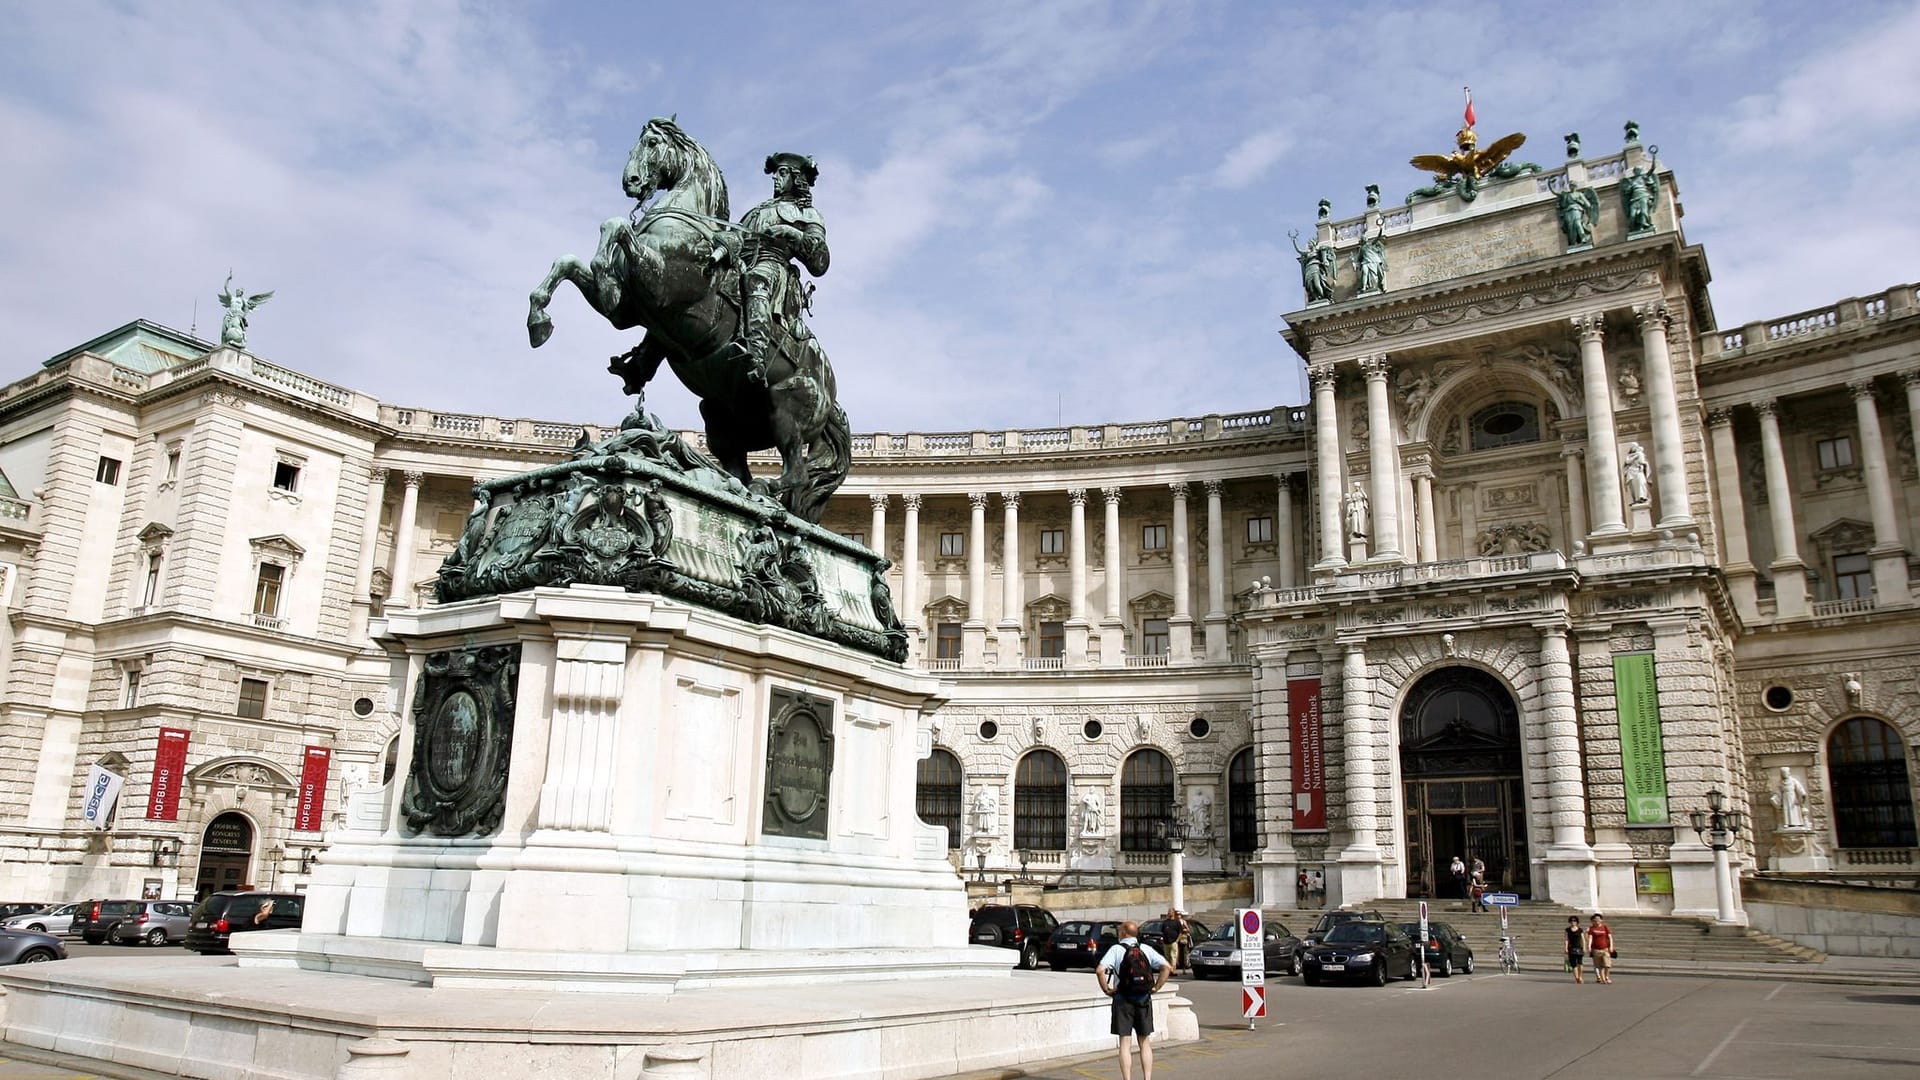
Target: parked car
[(94, 918), (1079, 944), (29, 947), (11, 908), (158, 922), (224, 914), (52, 920), (1330, 919), (1154, 932), (1220, 954), (1446, 949), (1026, 927), (1374, 951)]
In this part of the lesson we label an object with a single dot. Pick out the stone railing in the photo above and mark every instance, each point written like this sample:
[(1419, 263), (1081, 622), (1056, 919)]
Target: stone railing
[(1827, 609), (1897, 302), (1043, 663), (1877, 856), (1143, 858), (299, 385), (942, 663), (1293, 419), (15, 509), (1150, 660), (1450, 570), (268, 622)]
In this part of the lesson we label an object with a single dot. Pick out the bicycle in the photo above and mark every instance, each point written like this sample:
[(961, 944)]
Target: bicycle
[(1509, 957)]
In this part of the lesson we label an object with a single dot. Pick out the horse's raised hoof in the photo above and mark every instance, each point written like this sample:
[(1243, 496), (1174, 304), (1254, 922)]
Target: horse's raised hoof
[(539, 328)]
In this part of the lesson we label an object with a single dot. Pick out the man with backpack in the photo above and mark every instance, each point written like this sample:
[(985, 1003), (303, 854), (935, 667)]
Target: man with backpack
[(1130, 973)]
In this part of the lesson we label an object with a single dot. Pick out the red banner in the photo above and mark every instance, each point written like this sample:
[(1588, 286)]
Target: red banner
[(169, 775), (1309, 754), (311, 815)]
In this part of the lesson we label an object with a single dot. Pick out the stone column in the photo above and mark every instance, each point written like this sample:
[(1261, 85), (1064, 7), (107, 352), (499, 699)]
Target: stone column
[(910, 612), (1326, 430), (1383, 462), (877, 532), (1889, 554), (1423, 516), (1603, 443), (973, 632), (1576, 497), (1180, 626), (1912, 381), (1789, 573), (1113, 628), (1733, 515), (1078, 631), (1570, 865), (1216, 577), (1283, 545), (362, 602), (1663, 408), (400, 589), (1011, 599), (1359, 863)]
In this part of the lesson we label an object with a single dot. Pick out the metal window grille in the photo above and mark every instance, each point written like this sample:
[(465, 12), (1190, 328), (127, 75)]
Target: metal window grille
[(1872, 798), (1040, 802), (1146, 798), (1243, 833), (937, 793)]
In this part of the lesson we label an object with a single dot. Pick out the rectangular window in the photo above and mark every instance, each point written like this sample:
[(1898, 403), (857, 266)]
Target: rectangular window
[(1153, 637), (1259, 530), (953, 545), (133, 690), (266, 589), (152, 590), (858, 538), (286, 476), (1053, 541), (1153, 538), (108, 471), (253, 699), (1835, 453), (946, 641), (1853, 577), (1053, 639)]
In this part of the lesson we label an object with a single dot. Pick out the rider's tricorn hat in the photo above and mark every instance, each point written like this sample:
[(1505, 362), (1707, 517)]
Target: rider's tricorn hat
[(799, 161)]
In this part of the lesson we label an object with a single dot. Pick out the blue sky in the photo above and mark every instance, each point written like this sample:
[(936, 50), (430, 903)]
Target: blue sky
[(1038, 211)]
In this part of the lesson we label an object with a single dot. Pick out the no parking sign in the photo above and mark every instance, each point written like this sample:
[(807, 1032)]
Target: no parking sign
[(1253, 963)]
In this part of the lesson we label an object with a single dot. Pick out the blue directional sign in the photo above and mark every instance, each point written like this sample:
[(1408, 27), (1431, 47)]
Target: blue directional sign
[(1502, 899)]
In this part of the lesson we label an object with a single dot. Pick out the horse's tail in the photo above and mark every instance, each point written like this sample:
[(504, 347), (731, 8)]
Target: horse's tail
[(829, 458)]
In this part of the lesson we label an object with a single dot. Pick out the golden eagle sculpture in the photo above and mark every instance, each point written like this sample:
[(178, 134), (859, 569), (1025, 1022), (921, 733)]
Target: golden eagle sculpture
[(1462, 170)]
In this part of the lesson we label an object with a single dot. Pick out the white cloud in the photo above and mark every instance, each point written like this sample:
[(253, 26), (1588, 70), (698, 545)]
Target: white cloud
[(1857, 90), (1251, 157)]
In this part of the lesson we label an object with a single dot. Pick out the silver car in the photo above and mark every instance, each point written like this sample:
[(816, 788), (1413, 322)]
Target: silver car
[(54, 920), (156, 922)]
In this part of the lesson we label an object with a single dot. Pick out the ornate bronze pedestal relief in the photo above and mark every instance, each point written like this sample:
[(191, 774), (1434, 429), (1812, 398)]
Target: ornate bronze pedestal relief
[(462, 742), (799, 765)]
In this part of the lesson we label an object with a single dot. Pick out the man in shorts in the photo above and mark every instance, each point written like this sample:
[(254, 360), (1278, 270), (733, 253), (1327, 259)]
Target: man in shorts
[(1129, 974)]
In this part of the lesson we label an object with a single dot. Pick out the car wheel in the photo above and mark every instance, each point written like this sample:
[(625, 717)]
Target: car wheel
[(1029, 958), (156, 936), (37, 928), (1293, 966), (1468, 967), (1446, 966), (36, 956), (1379, 973)]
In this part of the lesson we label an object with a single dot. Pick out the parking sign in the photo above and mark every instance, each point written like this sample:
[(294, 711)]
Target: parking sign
[(1250, 923)]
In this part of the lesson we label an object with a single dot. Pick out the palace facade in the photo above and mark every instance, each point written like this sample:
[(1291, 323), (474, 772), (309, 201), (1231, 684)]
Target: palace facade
[(1550, 560)]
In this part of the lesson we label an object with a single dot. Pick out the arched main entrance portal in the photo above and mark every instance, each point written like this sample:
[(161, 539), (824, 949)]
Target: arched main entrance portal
[(1460, 761), (226, 852)]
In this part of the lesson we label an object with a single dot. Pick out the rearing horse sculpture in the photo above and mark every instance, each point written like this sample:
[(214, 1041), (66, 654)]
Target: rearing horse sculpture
[(661, 271)]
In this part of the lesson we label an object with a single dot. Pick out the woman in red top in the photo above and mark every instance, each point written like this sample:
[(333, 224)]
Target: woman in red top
[(1600, 943)]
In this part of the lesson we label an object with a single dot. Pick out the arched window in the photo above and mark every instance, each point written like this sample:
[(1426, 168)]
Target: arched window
[(1040, 802), (936, 793), (1872, 795), (1243, 827), (1146, 798)]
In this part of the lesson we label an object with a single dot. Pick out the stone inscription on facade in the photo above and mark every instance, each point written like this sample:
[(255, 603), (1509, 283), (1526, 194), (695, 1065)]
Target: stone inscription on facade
[(799, 765), (1530, 235)]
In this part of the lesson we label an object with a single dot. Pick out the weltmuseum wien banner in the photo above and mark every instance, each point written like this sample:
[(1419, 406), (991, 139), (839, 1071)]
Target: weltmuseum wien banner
[(1643, 761)]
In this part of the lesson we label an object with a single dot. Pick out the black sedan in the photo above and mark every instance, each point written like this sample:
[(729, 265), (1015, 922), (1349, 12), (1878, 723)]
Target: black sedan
[(1079, 944), (1219, 955), (1446, 949), (1155, 932), (1370, 951)]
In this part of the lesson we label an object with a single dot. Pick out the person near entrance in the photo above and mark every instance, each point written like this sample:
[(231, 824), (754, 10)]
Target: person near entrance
[(1130, 973), (1600, 943), (1478, 889), (1459, 871), (1576, 947)]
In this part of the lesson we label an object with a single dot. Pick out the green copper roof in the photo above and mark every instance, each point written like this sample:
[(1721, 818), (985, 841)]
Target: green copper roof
[(142, 346)]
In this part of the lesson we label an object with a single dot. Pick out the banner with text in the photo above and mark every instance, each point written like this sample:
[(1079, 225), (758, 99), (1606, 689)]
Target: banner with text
[(103, 790), (169, 775), (1643, 762), (1309, 754), (311, 815)]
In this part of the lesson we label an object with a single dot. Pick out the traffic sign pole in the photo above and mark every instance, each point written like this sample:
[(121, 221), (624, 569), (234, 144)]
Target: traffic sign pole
[(1253, 963), (1426, 973)]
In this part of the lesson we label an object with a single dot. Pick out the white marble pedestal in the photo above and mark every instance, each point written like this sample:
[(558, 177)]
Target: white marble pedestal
[(1797, 848)]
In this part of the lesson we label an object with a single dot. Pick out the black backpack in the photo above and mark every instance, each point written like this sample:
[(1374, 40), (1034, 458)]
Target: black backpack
[(1136, 973)]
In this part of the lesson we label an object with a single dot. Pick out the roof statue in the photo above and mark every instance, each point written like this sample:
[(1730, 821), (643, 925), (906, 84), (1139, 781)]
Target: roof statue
[(237, 305), (1462, 170)]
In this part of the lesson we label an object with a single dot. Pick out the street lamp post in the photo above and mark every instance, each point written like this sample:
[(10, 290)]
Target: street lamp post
[(1173, 832), (1717, 826)]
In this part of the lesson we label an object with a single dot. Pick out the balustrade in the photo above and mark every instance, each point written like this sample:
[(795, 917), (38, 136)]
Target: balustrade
[(1877, 856)]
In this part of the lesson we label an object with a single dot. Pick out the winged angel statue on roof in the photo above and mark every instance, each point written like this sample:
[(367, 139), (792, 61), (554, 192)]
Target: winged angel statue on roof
[(237, 305)]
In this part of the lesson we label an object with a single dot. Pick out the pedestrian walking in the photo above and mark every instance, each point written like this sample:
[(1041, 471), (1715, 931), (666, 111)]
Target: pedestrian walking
[(1129, 973), (1459, 871), (1600, 943), (1576, 947), (1478, 889)]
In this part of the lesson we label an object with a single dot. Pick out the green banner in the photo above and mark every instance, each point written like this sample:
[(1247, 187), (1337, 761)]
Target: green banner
[(1643, 763)]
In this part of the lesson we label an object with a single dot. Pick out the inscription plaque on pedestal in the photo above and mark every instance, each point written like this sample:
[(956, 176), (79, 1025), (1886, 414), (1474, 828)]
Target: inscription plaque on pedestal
[(799, 765), (462, 737)]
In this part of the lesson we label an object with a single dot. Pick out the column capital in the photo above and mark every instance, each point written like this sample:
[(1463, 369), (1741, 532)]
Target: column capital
[(911, 502), (1374, 367), (1651, 316), (1574, 453), (1911, 378), (1721, 417), (1767, 406), (1861, 388), (1322, 376), (1010, 500), (377, 475), (1552, 633), (877, 501), (1213, 488), (1179, 489), (1112, 495), (412, 478), (1591, 326), (977, 499), (1077, 496)]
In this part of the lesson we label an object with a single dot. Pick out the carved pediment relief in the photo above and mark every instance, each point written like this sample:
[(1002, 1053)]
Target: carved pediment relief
[(243, 774), (278, 547), (1049, 608), (946, 609), (1844, 536), (1152, 605)]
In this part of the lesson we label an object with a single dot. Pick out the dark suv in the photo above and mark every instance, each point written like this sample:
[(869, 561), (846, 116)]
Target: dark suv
[(1025, 927), (224, 914), (96, 917)]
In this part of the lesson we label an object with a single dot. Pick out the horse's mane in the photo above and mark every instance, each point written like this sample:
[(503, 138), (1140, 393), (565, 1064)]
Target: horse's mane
[(695, 165)]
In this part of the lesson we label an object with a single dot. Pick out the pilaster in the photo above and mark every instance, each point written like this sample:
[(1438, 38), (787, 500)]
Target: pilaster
[(1180, 626), (1012, 601), (1113, 628)]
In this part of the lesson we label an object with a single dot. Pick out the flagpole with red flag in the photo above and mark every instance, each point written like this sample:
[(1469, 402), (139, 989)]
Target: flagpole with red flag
[(1469, 93)]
